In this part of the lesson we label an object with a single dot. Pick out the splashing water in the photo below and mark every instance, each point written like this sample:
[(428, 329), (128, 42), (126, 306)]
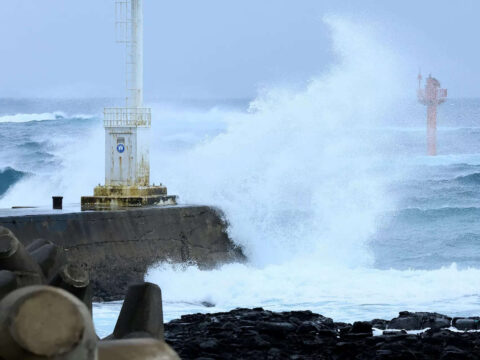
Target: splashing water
[(302, 182), (296, 175)]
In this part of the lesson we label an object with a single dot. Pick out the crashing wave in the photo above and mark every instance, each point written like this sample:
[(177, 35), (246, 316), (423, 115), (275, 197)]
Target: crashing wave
[(9, 177), (57, 115)]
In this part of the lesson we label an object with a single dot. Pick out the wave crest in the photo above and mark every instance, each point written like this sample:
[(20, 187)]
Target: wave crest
[(471, 179), (56, 115), (9, 177)]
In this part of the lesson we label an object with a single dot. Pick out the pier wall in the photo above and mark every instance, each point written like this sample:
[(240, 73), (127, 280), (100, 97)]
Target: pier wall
[(117, 247)]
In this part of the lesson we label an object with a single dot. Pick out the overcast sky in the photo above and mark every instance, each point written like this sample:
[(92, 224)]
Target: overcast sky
[(222, 48)]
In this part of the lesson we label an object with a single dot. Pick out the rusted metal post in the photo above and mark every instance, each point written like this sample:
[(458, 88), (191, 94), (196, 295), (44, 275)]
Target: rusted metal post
[(431, 96)]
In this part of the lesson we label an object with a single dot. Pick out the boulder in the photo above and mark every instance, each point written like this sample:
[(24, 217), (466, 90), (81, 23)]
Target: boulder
[(419, 320)]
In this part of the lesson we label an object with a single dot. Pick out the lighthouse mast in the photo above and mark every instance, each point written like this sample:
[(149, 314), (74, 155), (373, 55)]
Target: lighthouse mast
[(127, 129), (431, 96)]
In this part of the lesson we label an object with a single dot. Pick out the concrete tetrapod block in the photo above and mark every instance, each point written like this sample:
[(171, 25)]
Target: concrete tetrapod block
[(35, 244), (42, 322), (8, 282), (138, 349), (15, 258), (75, 280), (13, 255), (50, 258), (141, 315)]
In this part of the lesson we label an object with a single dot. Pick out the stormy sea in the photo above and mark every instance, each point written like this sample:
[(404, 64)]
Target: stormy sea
[(326, 186)]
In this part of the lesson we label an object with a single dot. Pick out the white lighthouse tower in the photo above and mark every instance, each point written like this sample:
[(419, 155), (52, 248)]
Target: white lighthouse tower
[(127, 129)]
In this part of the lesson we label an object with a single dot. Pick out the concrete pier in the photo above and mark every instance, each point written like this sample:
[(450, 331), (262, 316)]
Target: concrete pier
[(117, 247)]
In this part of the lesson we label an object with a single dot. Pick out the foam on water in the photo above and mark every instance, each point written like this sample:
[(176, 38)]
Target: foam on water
[(343, 293), (22, 118)]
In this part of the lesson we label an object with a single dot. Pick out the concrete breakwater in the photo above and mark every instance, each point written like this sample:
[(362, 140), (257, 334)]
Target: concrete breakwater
[(117, 247)]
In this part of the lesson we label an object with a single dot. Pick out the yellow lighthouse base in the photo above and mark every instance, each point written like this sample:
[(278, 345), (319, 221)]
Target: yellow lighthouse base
[(119, 197)]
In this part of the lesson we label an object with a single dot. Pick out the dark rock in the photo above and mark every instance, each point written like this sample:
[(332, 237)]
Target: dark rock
[(308, 327), (278, 330), (419, 320), (379, 324), (394, 332), (471, 323), (207, 304), (260, 334), (209, 344), (361, 327)]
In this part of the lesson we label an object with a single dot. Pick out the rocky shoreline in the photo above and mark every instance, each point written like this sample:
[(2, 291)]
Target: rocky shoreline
[(261, 334)]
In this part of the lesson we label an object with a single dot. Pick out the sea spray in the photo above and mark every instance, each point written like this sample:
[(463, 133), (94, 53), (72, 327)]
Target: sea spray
[(302, 180), (62, 157), (339, 292), (298, 174)]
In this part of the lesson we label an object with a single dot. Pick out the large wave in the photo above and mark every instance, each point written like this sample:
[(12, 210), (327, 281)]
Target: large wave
[(8, 177), (297, 174), (63, 157), (302, 182)]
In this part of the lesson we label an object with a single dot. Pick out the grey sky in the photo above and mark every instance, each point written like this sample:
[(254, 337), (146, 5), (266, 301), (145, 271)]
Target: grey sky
[(222, 48)]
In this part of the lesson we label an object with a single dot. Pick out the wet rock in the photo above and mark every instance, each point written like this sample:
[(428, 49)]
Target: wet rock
[(207, 304), (379, 324), (471, 323), (394, 332), (262, 334), (419, 320), (361, 327)]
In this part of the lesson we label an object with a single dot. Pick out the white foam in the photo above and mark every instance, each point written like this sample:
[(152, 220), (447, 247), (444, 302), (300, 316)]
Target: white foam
[(338, 292), (22, 118)]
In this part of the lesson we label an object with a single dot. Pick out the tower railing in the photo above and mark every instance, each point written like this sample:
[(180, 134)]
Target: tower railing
[(432, 97), (127, 117)]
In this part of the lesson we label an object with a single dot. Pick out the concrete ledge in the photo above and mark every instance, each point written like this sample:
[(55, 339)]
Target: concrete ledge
[(117, 247), (129, 190), (121, 202)]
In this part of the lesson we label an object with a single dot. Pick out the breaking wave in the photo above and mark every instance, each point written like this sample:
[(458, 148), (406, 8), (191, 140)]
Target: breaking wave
[(57, 115), (8, 177), (472, 179), (304, 186)]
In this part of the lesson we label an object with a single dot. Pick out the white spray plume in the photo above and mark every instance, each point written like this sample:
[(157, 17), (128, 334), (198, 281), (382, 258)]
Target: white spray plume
[(295, 175)]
